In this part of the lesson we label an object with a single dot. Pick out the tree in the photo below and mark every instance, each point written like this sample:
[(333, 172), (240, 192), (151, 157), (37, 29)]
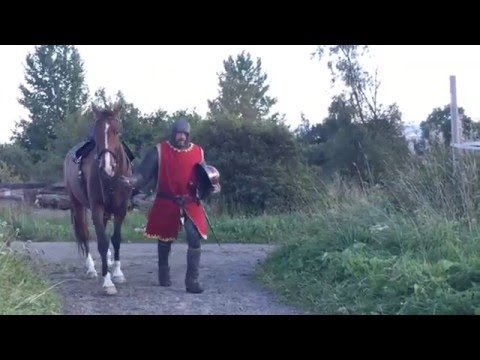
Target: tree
[(55, 88), (243, 90), (102, 100), (362, 137), (17, 159), (7, 174), (438, 123), (345, 65), (140, 130)]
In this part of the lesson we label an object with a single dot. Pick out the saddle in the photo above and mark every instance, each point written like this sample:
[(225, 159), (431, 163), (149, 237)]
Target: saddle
[(88, 146)]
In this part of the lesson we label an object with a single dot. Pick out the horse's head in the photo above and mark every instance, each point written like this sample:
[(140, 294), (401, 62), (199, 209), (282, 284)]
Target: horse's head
[(107, 140)]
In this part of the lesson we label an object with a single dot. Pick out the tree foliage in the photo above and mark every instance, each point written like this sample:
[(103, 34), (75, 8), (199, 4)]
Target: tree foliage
[(54, 88), (17, 160), (259, 163), (243, 90), (438, 123), (257, 155), (360, 136)]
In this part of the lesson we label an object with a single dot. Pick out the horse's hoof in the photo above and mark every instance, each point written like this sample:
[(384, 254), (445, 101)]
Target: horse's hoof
[(110, 290), (92, 274), (119, 279)]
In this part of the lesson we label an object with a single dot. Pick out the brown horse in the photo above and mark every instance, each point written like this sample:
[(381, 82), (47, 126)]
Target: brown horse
[(99, 190)]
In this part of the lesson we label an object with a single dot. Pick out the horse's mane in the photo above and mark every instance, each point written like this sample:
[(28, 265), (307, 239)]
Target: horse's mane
[(106, 113)]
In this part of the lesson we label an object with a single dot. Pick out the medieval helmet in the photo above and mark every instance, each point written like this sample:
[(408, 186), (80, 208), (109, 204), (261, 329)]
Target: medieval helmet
[(208, 180), (181, 125)]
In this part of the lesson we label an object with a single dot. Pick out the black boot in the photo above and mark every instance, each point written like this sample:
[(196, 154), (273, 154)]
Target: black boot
[(191, 278), (163, 268)]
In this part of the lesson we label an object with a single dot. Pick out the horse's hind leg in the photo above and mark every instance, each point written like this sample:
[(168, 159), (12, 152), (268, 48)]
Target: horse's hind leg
[(117, 274), (79, 214)]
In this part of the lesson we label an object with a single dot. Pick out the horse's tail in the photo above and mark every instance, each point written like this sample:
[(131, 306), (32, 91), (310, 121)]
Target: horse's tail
[(80, 243), (78, 219), (78, 216)]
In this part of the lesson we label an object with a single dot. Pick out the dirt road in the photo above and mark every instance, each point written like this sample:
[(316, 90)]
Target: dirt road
[(225, 273)]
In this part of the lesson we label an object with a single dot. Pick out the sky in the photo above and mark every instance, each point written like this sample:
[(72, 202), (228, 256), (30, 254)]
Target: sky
[(175, 77)]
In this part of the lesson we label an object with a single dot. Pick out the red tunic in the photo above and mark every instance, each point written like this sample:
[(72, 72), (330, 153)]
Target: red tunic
[(175, 171)]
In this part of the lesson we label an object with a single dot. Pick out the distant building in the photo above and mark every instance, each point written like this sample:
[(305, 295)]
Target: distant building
[(413, 134)]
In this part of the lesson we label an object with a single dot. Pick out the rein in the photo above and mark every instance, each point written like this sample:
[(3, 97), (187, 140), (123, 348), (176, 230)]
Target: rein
[(102, 180)]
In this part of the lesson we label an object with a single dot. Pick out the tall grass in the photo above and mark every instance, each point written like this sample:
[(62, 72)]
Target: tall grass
[(411, 247), (436, 185), (22, 290)]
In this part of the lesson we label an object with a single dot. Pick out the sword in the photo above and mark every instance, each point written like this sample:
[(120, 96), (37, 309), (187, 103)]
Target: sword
[(200, 202), (209, 224)]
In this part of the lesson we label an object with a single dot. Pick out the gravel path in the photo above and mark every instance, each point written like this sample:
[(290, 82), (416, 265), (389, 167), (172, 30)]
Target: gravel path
[(225, 273)]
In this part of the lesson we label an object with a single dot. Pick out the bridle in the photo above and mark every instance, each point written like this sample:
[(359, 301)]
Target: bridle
[(110, 182), (98, 157)]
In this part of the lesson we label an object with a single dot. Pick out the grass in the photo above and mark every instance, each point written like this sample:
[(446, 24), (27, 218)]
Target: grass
[(44, 225), (22, 290), (379, 264), (409, 247)]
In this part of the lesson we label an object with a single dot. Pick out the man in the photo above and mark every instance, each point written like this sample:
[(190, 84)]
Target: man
[(172, 163)]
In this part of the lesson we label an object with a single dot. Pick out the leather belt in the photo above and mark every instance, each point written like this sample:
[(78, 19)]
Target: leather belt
[(180, 200)]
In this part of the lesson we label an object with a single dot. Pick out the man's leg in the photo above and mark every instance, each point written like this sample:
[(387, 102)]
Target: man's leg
[(163, 268), (193, 258), (80, 154)]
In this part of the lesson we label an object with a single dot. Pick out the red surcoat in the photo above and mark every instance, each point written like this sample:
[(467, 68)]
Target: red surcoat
[(175, 172)]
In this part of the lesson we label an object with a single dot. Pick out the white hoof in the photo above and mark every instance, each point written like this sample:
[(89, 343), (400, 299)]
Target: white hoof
[(92, 274), (110, 290), (108, 286), (117, 274), (90, 268), (119, 279)]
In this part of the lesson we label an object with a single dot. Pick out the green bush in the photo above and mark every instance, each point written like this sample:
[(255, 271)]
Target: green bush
[(260, 165)]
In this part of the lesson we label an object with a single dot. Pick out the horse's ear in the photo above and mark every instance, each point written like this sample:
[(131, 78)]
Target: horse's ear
[(116, 109)]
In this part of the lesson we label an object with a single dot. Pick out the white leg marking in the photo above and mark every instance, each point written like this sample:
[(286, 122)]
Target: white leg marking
[(108, 156), (117, 274), (90, 265), (108, 285), (109, 258)]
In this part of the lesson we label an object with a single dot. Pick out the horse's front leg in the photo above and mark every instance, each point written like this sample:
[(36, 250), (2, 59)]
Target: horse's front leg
[(106, 217), (103, 245), (117, 274)]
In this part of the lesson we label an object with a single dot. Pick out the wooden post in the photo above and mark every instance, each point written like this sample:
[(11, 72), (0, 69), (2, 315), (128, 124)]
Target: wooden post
[(455, 139)]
